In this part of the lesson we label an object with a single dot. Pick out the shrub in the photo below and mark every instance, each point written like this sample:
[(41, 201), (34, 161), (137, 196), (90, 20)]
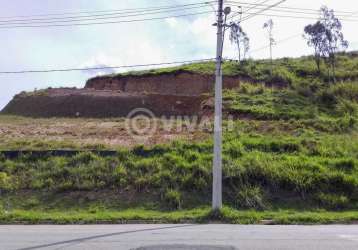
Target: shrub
[(346, 123), (332, 201), (327, 97), (31, 202), (250, 197), (5, 182), (270, 145), (234, 149), (345, 107), (173, 199), (346, 90), (345, 165), (83, 158), (251, 89), (281, 75)]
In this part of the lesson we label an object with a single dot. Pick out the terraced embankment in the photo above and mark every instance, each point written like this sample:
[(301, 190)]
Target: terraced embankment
[(99, 103), (179, 82), (174, 93)]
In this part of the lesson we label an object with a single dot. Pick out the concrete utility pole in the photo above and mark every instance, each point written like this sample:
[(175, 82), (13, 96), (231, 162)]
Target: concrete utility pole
[(217, 162)]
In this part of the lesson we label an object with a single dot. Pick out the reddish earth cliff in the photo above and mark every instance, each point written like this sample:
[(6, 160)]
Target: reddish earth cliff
[(99, 103), (180, 82), (175, 93)]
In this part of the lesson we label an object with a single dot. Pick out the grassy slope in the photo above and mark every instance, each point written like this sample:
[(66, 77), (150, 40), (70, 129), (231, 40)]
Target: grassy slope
[(291, 158), (286, 69)]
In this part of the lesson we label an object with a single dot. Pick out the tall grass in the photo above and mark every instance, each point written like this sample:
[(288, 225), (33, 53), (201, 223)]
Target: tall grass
[(294, 167)]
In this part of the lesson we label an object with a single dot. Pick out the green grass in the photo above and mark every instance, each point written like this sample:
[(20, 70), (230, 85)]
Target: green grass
[(43, 145), (292, 157), (291, 71), (199, 215), (260, 171)]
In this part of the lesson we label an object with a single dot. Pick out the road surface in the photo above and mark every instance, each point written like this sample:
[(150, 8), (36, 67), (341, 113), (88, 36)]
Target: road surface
[(179, 237)]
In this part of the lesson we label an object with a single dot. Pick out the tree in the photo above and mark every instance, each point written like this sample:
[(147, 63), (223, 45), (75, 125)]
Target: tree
[(240, 38), (315, 36), (326, 37), (269, 27), (334, 39)]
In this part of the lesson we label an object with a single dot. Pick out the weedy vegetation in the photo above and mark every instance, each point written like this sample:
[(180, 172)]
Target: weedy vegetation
[(292, 157)]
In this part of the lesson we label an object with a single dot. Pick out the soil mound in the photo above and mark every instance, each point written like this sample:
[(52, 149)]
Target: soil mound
[(170, 93), (99, 103)]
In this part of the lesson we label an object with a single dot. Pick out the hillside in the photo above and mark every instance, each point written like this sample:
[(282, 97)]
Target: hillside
[(161, 89), (292, 156)]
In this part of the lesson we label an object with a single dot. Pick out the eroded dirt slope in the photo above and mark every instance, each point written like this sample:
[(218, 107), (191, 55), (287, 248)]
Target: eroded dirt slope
[(174, 83), (99, 103)]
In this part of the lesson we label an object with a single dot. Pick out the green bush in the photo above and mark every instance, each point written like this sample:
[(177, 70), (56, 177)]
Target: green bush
[(333, 201), (346, 90), (172, 199), (5, 182), (281, 75), (327, 97), (250, 198), (348, 165), (251, 89), (346, 107)]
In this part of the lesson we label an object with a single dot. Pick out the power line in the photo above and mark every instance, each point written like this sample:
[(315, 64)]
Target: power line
[(106, 67), (263, 10), (109, 22), (277, 42), (106, 11), (99, 16), (300, 17), (296, 12), (254, 5), (290, 8)]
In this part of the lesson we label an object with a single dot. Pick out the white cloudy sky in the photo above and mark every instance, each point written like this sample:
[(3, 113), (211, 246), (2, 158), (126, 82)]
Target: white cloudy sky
[(174, 39)]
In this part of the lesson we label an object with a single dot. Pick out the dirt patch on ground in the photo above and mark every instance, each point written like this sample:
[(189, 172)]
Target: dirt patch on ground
[(18, 133)]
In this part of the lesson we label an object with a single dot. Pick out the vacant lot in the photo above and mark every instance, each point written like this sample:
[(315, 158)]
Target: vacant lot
[(21, 133), (291, 157)]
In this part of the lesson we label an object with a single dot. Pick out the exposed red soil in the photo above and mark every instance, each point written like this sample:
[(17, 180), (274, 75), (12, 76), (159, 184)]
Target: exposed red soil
[(99, 103), (175, 93), (174, 83)]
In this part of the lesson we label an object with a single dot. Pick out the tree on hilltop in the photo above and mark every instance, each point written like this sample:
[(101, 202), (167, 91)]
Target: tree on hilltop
[(240, 38), (326, 37)]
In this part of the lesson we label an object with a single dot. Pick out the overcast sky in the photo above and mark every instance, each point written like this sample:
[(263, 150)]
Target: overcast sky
[(174, 39)]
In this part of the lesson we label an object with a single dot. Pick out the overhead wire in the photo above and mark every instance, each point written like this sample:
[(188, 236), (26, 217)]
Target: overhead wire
[(288, 7), (254, 5), (127, 10), (263, 10), (272, 8), (107, 22), (106, 67), (98, 17), (297, 12), (277, 42), (299, 17)]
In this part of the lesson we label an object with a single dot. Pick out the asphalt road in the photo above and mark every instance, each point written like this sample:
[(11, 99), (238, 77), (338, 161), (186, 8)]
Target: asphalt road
[(179, 237)]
